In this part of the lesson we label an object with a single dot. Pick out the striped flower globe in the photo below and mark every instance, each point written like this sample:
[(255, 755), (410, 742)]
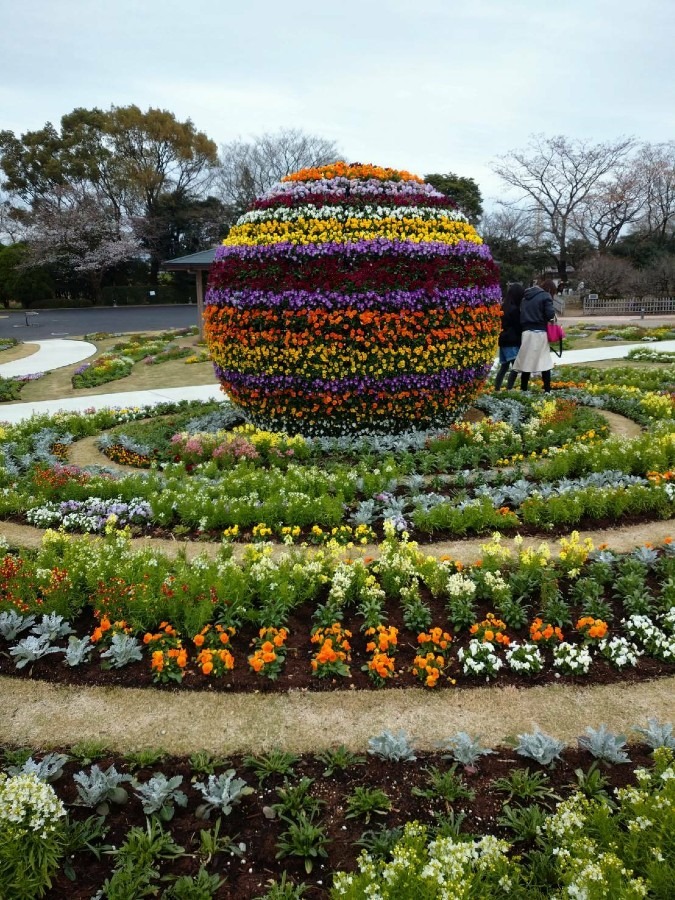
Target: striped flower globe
[(352, 299)]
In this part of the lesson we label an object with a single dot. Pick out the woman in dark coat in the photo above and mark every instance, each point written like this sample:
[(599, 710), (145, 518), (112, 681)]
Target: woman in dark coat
[(509, 339), (536, 311)]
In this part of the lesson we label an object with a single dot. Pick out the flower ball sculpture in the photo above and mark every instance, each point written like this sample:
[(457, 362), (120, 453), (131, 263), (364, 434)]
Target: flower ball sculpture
[(352, 299)]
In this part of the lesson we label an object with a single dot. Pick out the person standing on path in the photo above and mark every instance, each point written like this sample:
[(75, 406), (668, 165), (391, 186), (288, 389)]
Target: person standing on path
[(536, 311), (509, 338)]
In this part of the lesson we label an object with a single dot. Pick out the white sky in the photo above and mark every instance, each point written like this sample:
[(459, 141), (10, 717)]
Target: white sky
[(426, 85)]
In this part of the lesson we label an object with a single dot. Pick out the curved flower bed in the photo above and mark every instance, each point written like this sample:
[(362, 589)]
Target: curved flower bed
[(80, 612), (352, 299)]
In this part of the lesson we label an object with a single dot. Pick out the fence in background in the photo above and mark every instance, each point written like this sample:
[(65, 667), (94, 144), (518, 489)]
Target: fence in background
[(636, 306)]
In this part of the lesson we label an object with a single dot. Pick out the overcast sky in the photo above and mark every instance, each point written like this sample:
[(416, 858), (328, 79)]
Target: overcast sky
[(426, 85)]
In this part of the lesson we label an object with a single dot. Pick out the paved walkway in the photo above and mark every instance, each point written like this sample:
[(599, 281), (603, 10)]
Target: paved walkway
[(17, 412), (51, 354)]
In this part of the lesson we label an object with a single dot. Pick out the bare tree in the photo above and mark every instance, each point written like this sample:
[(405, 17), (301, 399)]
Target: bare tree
[(658, 172), (556, 175), (607, 275), (612, 205), (249, 168), (508, 224)]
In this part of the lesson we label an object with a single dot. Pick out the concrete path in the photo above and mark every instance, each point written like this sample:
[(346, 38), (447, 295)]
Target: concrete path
[(18, 412), (595, 354), (52, 354)]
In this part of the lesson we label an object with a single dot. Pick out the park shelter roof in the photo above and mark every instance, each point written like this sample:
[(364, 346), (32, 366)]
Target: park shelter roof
[(192, 262)]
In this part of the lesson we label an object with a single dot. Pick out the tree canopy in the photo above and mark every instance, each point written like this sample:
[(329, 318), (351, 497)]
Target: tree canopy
[(464, 191)]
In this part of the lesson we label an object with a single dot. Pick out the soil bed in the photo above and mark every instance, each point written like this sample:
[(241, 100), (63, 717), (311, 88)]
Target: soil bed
[(246, 877), (296, 674)]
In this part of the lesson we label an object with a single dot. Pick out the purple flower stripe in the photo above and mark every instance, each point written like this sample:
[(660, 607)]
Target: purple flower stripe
[(377, 247), (420, 299), (433, 382), (358, 187)]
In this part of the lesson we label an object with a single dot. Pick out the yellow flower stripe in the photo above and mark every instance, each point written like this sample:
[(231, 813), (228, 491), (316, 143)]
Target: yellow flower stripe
[(321, 231), (323, 361)]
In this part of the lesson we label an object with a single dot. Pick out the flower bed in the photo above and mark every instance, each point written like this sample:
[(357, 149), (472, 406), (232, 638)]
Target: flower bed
[(80, 613), (352, 299), (540, 819), (531, 463)]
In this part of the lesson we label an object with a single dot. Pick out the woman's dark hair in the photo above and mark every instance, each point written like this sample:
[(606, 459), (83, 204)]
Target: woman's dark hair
[(550, 286), (514, 294)]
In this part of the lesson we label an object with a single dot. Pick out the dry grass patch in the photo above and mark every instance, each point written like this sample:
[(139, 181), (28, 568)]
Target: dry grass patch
[(21, 351), (57, 385), (39, 714)]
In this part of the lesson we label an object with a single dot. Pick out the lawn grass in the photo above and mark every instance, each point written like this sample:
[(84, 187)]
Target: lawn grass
[(57, 384), (21, 351)]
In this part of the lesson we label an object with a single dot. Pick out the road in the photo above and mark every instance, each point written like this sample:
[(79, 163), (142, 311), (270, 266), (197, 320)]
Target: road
[(50, 323)]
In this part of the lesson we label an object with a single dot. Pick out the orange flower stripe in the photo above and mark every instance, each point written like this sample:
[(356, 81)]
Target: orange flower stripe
[(351, 170)]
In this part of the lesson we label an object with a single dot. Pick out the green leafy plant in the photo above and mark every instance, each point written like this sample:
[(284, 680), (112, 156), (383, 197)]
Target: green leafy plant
[(593, 784), (365, 802), (203, 763), (283, 889), (523, 785), (295, 799), (87, 752), (276, 762), (305, 839), (84, 835), (136, 871), (338, 759), (524, 822), (444, 785), (201, 886), (379, 843), (143, 759), (212, 843)]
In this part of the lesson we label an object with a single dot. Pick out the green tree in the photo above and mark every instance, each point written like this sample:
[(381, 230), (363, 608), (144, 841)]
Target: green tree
[(464, 191), (19, 281), (134, 159)]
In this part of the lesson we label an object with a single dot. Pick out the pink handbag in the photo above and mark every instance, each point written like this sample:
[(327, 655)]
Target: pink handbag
[(555, 334)]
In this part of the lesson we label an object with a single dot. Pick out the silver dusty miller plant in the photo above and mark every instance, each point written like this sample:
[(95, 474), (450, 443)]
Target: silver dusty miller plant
[(464, 749), (12, 624), (540, 747), (604, 744), (99, 789), (160, 794), (394, 747), (221, 793)]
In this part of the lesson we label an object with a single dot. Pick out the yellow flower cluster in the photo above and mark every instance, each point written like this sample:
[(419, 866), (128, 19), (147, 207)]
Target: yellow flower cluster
[(322, 231), (334, 362)]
